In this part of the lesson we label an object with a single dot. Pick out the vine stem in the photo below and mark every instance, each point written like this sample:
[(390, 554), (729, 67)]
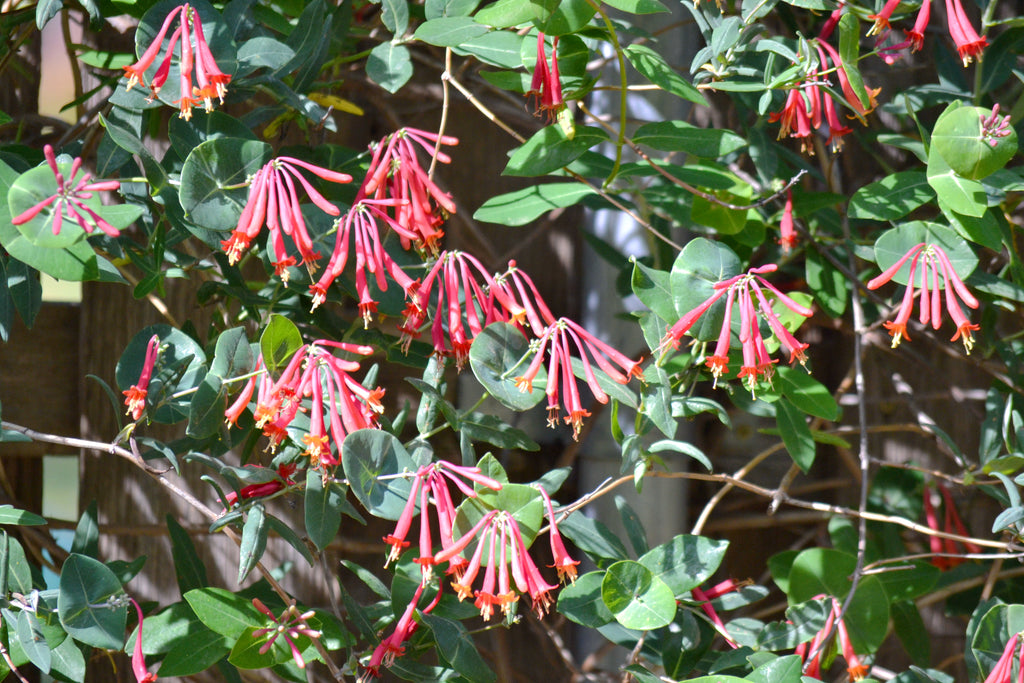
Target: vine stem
[(198, 505), (445, 102)]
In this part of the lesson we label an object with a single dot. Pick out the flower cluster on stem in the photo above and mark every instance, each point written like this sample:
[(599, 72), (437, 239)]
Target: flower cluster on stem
[(747, 292), (210, 80), (70, 198), (969, 44), (931, 268), (945, 550), (812, 653), (546, 85), (339, 404), (809, 106), (273, 201), (289, 625)]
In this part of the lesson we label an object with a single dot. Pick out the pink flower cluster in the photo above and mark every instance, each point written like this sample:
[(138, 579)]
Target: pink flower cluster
[(289, 626), (934, 264), (746, 291), (809, 105), (70, 197), (945, 550), (546, 85), (317, 374), (508, 569), (274, 202), (212, 82)]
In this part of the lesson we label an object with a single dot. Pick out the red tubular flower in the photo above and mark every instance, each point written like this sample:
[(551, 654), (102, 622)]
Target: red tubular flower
[(856, 669), (968, 43), (852, 98), (262, 490), (546, 85), (136, 72), (564, 564), (744, 289), (273, 200), (135, 396), (795, 120), (1002, 672), (395, 173), (289, 625), (142, 674), (212, 82), (787, 234), (882, 18), (70, 197), (916, 35), (933, 263)]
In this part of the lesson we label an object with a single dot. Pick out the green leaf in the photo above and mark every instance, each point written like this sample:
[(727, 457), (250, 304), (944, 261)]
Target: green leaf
[(581, 602), (209, 175), (639, 7), (233, 354), (46, 10), (593, 537), (654, 67), (525, 205), (491, 429), (87, 533), (263, 51), (32, 640), (505, 13), (959, 139), (197, 653), (497, 48), (86, 585), (892, 197), (206, 410), (825, 571), (68, 661), (849, 52), (681, 447), (654, 289), (395, 15), (497, 357), (686, 561), (912, 632), (223, 612), (549, 150), (449, 31), (963, 195), (796, 435), (699, 266), (806, 393), (11, 515), (562, 16), (449, 8), (323, 505), (389, 65), (189, 569), (656, 397), (254, 540), (456, 646), (279, 341), (679, 136), (638, 599), (366, 456), (522, 502)]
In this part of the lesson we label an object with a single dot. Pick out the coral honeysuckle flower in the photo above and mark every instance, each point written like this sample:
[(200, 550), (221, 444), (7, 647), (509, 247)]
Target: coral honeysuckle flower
[(430, 485), (812, 653), (934, 263), (564, 564), (1002, 672), (465, 305), (787, 233), (274, 201), (968, 43), (212, 82), (882, 18), (743, 291), (267, 488), (558, 340), (546, 85), (347, 406), (142, 674), (395, 173), (70, 197), (915, 36), (135, 396)]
